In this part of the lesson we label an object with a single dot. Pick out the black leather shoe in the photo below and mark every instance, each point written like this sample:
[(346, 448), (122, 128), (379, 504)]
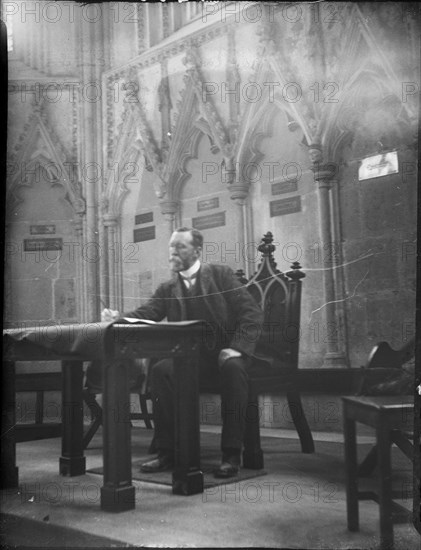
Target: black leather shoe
[(161, 463), (226, 470), (230, 465)]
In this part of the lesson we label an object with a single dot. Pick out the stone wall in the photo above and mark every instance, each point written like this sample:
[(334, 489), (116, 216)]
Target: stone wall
[(257, 120)]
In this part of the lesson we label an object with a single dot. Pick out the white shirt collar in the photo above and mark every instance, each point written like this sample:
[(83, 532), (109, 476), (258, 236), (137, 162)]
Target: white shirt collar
[(192, 269)]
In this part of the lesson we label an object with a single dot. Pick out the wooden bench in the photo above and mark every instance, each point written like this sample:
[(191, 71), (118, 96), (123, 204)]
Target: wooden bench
[(38, 382)]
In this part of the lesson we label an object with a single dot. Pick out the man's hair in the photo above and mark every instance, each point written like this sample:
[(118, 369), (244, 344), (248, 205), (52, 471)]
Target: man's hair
[(196, 235)]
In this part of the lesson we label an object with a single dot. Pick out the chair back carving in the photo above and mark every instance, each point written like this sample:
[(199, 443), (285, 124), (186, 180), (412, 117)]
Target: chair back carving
[(279, 295)]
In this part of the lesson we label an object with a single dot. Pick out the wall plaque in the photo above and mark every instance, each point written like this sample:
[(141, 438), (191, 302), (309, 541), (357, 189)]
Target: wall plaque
[(285, 206), (208, 204), (378, 165), (42, 229), (147, 217), (144, 234), (206, 222), (288, 186), (35, 245)]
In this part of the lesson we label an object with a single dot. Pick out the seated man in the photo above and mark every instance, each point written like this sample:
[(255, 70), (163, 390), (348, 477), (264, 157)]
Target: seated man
[(209, 292)]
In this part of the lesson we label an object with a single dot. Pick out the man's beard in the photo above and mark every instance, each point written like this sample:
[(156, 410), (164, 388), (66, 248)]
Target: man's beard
[(177, 265)]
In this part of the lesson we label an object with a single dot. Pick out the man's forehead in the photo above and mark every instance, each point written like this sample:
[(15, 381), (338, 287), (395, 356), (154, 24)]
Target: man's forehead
[(181, 236)]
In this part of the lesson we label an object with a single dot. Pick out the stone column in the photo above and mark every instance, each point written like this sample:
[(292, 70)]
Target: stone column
[(323, 175), (114, 264), (167, 19), (76, 252), (104, 293), (239, 193), (142, 28), (338, 274), (46, 47), (170, 210), (91, 41), (39, 51), (32, 36)]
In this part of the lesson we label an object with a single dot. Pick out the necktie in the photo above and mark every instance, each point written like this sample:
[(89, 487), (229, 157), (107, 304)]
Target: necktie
[(189, 281)]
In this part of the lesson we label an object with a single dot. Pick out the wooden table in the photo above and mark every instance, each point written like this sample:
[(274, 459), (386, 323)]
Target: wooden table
[(386, 414), (113, 344)]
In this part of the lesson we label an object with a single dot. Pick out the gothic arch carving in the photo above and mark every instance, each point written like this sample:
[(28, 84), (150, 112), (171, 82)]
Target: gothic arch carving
[(125, 165), (357, 103), (38, 148), (338, 120), (190, 151), (261, 126)]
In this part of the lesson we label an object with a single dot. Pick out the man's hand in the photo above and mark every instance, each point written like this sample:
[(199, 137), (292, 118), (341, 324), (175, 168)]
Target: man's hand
[(109, 315), (227, 353)]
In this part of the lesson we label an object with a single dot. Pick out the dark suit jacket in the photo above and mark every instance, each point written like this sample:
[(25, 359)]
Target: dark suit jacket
[(232, 310)]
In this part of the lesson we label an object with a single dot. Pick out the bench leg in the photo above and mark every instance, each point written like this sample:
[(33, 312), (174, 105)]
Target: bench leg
[(351, 472), (300, 421), (252, 454), (9, 471), (385, 488), (72, 462)]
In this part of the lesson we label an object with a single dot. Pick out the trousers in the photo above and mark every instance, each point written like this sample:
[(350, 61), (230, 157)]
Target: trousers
[(232, 381)]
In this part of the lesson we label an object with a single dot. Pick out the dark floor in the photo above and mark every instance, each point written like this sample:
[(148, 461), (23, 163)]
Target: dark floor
[(298, 503)]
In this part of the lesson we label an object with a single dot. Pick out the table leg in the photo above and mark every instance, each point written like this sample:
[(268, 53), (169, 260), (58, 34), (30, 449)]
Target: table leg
[(385, 484), (187, 477), (351, 471), (117, 493), (72, 462), (9, 471)]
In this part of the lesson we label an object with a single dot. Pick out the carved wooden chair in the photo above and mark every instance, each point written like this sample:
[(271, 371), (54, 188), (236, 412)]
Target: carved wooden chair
[(275, 362), (275, 365)]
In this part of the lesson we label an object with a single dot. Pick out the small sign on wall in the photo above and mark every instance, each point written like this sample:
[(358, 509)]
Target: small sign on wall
[(208, 204), (147, 217), (35, 245), (288, 186), (378, 165), (207, 222), (42, 229), (144, 234), (285, 206)]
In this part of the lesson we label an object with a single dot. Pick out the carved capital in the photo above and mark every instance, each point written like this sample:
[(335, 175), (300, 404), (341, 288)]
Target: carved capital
[(110, 220), (104, 204), (80, 205), (315, 152), (324, 172), (324, 175), (78, 225), (239, 192), (169, 208)]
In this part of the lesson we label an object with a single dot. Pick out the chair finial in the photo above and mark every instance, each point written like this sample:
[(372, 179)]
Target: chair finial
[(267, 248), (295, 274)]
